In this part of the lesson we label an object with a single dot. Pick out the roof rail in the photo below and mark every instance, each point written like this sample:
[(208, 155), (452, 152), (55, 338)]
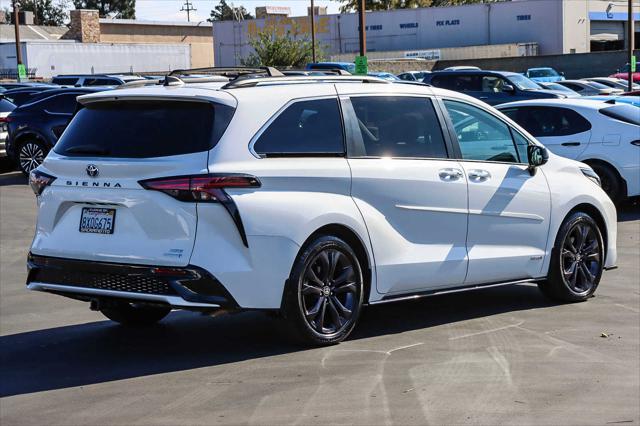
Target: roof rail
[(253, 82), (228, 71)]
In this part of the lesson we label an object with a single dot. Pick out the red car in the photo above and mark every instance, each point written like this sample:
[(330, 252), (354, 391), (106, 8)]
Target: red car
[(623, 73)]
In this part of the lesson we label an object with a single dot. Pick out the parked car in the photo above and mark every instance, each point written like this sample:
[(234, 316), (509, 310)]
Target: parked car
[(615, 83), (618, 99), (25, 84), (35, 127), (384, 75), (560, 89), (81, 80), (23, 95), (602, 135), (309, 200), (589, 88), (413, 75), (544, 74), (346, 66), (623, 73), (6, 107), (462, 68), (492, 87)]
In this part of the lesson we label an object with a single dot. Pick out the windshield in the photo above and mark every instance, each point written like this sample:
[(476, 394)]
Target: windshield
[(543, 72), (523, 83), (625, 112), (597, 85), (558, 87)]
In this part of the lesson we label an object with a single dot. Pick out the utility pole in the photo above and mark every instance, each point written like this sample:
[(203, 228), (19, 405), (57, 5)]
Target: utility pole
[(313, 32), (363, 31), (16, 25), (630, 42), (188, 7)]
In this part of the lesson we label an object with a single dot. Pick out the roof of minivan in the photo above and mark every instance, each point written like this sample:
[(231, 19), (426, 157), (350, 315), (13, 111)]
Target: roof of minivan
[(503, 73)]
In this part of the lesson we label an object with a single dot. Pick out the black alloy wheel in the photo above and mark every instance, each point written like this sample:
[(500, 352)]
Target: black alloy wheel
[(325, 292)]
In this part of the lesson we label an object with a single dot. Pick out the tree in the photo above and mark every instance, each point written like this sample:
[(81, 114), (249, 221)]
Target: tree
[(123, 9), (286, 50), (45, 12), (353, 5), (224, 12)]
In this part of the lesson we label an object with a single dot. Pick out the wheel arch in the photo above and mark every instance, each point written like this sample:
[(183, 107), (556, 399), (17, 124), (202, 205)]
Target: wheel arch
[(352, 238), (605, 163), (597, 216)]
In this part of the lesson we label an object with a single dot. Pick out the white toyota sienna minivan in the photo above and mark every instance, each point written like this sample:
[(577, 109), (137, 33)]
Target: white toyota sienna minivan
[(309, 196)]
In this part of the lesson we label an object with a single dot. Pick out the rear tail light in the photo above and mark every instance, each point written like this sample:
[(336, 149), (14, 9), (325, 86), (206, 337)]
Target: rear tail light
[(206, 189), (38, 181), (3, 123)]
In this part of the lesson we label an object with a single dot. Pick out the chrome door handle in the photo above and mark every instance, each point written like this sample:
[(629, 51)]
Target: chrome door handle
[(479, 175), (450, 174)]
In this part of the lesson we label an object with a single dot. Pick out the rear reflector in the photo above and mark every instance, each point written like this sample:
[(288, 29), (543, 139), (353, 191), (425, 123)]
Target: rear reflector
[(207, 188)]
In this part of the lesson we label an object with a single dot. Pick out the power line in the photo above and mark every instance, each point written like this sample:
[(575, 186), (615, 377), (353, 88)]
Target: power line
[(188, 7)]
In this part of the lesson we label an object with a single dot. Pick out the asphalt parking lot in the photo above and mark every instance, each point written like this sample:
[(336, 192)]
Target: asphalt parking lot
[(496, 356)]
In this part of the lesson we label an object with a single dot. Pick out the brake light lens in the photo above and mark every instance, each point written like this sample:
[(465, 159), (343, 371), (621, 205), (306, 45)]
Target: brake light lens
[(201, 188), (38, 181)]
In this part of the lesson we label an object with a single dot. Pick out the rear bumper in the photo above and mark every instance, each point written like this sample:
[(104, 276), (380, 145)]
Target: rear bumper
[(186, 287)]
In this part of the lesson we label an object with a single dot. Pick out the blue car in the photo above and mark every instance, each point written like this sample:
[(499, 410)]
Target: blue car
[(544, 75)]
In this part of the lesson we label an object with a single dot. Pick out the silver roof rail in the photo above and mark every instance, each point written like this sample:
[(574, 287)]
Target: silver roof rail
[(268, 81)]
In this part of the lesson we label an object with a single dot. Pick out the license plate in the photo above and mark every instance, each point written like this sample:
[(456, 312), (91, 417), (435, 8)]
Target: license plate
[(97, 220)]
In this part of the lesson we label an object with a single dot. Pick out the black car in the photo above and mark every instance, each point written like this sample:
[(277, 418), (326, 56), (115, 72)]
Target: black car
[(492, 87), (35, 127), (24, 84), (23, 95)]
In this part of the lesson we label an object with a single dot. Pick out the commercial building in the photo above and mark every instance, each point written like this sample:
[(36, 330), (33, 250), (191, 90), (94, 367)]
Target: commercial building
[(556, 26)]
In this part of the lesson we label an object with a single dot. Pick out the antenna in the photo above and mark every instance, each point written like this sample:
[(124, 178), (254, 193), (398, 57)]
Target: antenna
[(188, 7)]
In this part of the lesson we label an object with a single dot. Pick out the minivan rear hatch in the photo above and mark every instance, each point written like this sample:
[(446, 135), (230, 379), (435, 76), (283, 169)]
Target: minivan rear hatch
[(96, 208)]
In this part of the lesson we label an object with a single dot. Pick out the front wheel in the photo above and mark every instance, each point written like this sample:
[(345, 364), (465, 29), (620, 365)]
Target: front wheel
[(577, 260), (135, 314), (325, 292)]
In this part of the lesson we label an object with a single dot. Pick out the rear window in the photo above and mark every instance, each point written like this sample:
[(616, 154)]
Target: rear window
[(143, 129), (64, 81), (627, 113)]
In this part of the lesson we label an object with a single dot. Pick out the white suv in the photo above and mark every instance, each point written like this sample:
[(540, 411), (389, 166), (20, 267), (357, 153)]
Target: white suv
[(310, 196)]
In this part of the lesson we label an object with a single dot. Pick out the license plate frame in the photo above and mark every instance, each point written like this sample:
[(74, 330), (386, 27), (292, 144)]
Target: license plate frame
[(101, 214)]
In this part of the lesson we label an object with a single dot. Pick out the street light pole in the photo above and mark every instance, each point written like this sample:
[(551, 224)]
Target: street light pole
[(16, 25), (630, 36), (313, 32), (363, 31)]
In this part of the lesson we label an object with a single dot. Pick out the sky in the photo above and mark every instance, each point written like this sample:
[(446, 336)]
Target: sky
[(169, 10)]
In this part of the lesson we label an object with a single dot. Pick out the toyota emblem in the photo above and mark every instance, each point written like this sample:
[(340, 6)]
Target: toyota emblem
[(92, 170)]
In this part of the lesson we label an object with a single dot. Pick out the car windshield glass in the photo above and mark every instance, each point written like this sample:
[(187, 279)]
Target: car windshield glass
[(144, 129), (543, 72), (523, 83), (624, 112), (558, 87), (597, 85)]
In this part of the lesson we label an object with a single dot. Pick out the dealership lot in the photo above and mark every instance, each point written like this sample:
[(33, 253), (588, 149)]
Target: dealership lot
[(501, 355)]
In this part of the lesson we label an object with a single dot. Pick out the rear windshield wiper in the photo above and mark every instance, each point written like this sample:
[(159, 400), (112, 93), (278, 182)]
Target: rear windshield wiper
[(87, 149)]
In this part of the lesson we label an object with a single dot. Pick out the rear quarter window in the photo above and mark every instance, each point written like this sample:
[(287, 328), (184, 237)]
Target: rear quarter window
[(626, 113), (6, 106), (144, 129)]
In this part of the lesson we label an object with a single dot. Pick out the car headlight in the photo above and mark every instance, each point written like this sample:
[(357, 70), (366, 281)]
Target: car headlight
[(591, 175)]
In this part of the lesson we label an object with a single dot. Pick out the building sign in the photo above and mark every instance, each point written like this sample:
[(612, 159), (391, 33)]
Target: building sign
[(423, 54), (523, 17), (282, 25), (409, 25), (373, 27), (278, 10), (447, 22)]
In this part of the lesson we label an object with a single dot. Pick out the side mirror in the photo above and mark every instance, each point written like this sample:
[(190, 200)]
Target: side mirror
[(538, 155), (562, 73), (508, 88)]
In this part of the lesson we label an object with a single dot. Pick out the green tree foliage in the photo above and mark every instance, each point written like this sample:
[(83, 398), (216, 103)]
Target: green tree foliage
[(122, 9), (45, 12), (224, 12), (286, 50), (352, 5)]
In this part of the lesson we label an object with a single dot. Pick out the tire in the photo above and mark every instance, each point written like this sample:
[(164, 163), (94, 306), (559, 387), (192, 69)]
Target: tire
[(136, 315), (611, 182), (30, 154), (6, 165), (324, 293), (577, 260)]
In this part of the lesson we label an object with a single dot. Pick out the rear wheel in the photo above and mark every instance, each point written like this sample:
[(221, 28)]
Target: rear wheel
[(30, 155), (135, 314), (325, 292), (577, 260), (611, 182)]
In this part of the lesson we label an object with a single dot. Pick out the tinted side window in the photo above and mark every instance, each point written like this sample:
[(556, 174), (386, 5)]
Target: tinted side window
[(60, 104), (459, 83), (65, 81), (481, 136), (491, 84), (100, 82), (549, 121), (305, 127), (573, 87), (399, 126)]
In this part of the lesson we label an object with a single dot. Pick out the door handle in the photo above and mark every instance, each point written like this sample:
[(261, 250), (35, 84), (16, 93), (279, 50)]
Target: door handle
[(450, 174), (570, 144), (478, 175)]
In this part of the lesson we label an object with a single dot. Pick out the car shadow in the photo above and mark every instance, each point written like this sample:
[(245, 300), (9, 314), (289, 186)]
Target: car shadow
[(629, 210), (102, 351), (12, 178)]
